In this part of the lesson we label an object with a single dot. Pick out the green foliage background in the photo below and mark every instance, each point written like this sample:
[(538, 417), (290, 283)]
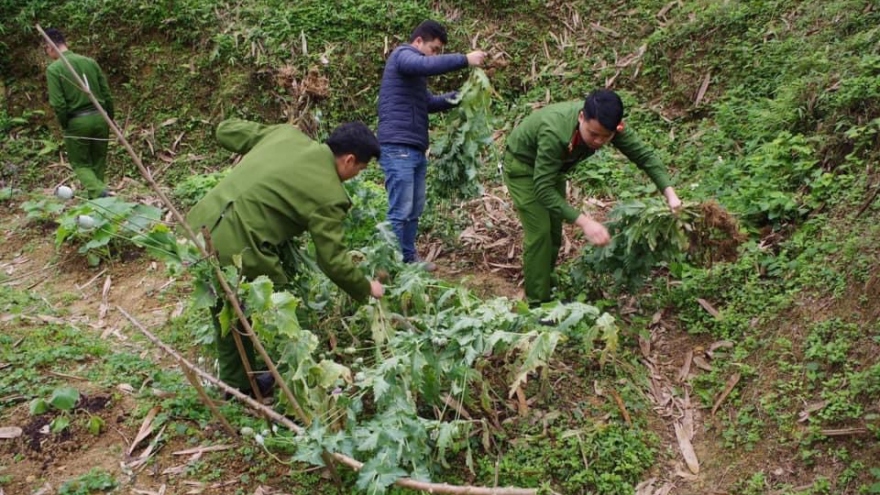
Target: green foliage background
[(786, 136)]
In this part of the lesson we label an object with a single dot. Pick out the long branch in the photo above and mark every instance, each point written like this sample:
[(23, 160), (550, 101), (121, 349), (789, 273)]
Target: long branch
[(286, 422)]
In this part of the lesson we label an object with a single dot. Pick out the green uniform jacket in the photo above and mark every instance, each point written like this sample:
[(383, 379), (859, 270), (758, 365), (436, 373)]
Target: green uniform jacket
[(286, 184), (66, 97), (540, 145)]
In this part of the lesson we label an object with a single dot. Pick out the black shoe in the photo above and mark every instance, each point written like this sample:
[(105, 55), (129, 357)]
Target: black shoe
[(265, 382)]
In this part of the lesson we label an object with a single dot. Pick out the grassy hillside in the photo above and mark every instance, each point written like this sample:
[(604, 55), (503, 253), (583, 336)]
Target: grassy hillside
[(769, 107)]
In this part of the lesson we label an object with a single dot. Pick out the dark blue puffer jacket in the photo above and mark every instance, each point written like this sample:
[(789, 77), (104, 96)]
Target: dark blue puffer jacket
[(404, 99)]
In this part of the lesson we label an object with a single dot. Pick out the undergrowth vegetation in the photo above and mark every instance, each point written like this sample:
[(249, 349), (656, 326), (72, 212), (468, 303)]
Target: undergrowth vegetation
[(766, 113)]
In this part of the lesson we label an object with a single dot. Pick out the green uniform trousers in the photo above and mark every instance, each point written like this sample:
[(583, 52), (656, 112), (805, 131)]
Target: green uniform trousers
[(542, 235), (232, 370), (86, 141)]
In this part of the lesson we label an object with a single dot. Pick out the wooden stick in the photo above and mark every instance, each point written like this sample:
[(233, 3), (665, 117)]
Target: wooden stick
[(194, 380), (620, 405), (731, 383), (286, 422)]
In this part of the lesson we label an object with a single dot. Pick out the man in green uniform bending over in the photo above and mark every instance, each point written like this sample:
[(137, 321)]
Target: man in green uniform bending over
[(285, 185), (85, 131), (540, 151)]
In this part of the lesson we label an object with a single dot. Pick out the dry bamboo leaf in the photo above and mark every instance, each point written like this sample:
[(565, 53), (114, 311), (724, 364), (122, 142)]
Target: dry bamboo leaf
[(713, 349), (604, 30), (686, 367), (662, 13), (687, 449), (645, 347), (842, 432), (146, 429), (143, 492), (50, 319), (44, 490), (708, 307), (176, 470), (720, 344), (621, 406), (201, 450), (9, 432), (102, 309), (701, 363), (811, 408), (522, 404), (665, 489), (731, 382), (703, 88), (449, 401), (687, 421), (646, 487)]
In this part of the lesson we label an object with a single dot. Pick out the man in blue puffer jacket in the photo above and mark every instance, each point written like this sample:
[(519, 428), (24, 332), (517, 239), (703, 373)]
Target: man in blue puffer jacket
[(404, 105)]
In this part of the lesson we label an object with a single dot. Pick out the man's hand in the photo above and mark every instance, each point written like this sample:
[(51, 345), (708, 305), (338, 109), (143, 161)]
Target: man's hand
[(376, 289), (672, 199), (595, 232), (476, 58)]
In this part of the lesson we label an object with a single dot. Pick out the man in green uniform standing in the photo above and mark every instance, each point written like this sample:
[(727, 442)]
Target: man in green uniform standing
[(85, 131), (286, 184), (540, 151)]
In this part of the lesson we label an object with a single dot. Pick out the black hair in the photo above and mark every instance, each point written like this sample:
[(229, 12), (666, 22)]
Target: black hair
[(605, 106), (429, 31), (56, 36), (354, 138)]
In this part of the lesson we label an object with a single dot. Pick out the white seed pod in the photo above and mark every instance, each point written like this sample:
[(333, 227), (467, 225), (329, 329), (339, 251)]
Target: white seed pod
[(360, 376), (247, 431), (259, 439), (85, 221), (63, 192)]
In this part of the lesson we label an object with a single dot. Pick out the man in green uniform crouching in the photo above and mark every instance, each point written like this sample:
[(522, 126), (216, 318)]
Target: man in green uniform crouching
[(85, 131), (540, 151), (286, 184)]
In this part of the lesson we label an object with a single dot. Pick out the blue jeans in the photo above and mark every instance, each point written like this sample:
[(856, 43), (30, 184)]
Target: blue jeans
[(405, 168)]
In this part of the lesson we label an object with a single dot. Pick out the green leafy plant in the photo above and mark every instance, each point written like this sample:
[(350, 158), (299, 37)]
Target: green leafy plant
[(96, 480), (423, 342), (100, 223), (644, 234), (460, 150), (64, 400), (42, 210)]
